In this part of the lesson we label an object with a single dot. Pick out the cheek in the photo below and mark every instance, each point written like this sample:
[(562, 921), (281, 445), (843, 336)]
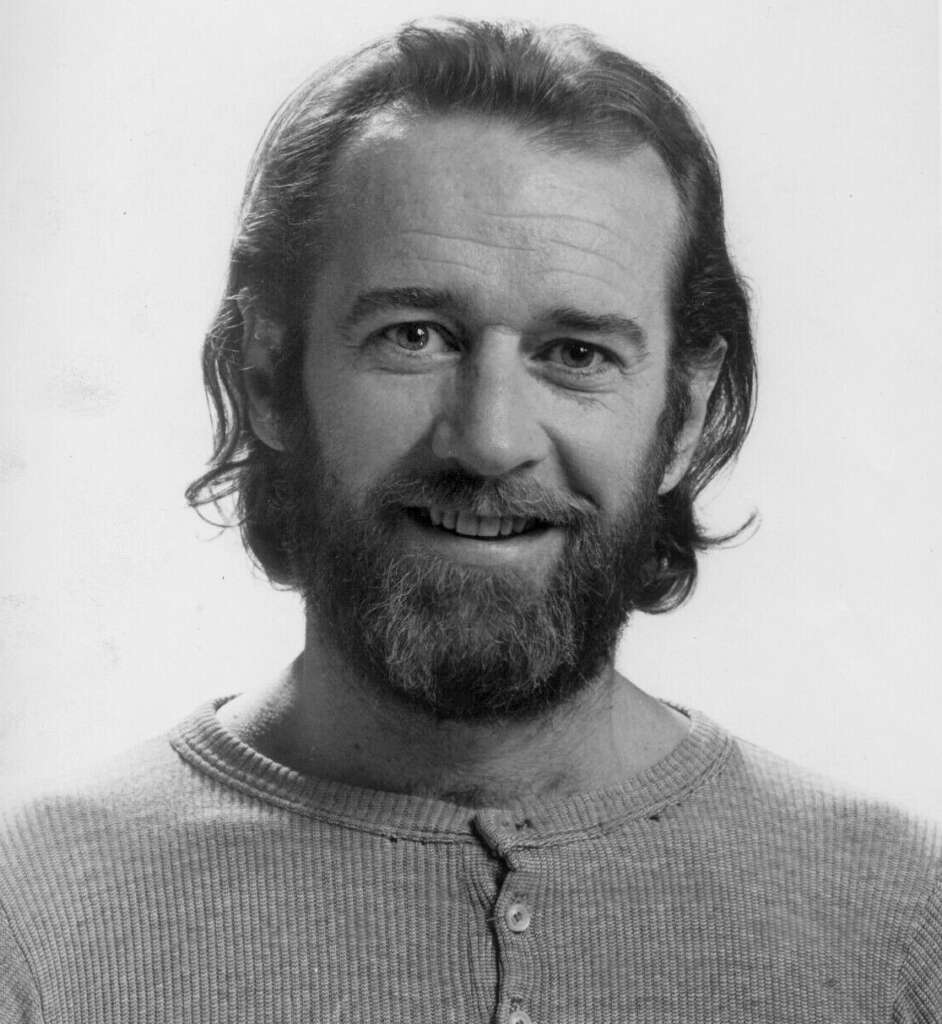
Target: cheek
[(367, 424), (606, 449)]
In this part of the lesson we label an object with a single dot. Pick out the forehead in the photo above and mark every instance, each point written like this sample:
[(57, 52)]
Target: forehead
[(478, 199)]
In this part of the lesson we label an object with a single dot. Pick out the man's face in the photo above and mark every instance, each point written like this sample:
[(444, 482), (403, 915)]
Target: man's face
[(485, 373)]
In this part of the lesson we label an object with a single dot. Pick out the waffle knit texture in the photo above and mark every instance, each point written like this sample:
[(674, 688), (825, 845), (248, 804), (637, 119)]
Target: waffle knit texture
[(195, 880)]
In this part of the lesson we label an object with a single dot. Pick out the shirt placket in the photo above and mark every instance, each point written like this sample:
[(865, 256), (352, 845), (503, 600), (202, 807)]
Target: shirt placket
[(515, 915)]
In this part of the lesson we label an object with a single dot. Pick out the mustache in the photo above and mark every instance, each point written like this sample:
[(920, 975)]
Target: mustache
[(504, 497)]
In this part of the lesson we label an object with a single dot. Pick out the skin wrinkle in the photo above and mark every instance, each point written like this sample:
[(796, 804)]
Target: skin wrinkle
[(542, 216), (481, 271), (446, 262), (574, 273), (588, 250), (601, 226), (424, 232)]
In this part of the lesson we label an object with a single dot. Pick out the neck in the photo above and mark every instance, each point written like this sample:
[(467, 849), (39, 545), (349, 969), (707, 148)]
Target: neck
[(321, 720)]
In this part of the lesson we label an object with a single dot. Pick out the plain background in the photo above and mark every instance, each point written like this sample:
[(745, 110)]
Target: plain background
[(127, 129)]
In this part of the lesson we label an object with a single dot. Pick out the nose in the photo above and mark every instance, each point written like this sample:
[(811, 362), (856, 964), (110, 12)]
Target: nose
[(489, 425)]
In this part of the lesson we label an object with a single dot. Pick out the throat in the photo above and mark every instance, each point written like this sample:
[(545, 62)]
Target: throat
[(611, 733)]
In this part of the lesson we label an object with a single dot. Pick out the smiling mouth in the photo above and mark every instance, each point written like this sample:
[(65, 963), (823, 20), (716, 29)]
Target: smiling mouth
[(467, 524)]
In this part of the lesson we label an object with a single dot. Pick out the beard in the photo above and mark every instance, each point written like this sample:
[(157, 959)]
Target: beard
[(464, 642)]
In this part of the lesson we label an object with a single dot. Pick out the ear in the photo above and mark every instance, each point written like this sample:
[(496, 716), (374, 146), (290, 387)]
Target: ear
[(700, 384), (261, 343)]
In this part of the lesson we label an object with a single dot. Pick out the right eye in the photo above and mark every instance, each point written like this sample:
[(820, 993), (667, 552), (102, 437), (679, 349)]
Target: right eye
[(418, 337)]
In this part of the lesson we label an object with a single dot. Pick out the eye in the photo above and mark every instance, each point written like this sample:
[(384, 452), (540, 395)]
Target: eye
[(580, 357), (417, 337)]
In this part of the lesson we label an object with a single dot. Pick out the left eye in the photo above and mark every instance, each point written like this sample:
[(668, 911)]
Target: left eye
[(417, 336), (578, 355)]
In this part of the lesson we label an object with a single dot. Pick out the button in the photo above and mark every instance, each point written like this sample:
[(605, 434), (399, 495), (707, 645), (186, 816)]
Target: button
[(519, 1017), (518, 917)]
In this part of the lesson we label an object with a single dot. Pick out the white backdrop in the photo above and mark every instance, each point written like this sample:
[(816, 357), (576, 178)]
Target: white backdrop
[(127, 129)]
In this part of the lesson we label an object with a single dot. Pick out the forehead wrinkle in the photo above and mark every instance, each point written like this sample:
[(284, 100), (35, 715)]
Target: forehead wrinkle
[(444, 261), (449, 237), (571, 272), (589, 251), (540, 250), (536, 215), (600, 227), (479, 271)]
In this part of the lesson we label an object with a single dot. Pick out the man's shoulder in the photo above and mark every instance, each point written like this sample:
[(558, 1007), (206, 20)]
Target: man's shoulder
[(124, 817), (804, 797), (149, 780), (140, 785), (105, 812), (810, 827), (775, 788), (863, 870)]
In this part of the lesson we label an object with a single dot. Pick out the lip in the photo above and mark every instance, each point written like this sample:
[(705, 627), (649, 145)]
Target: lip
[(533, 549)]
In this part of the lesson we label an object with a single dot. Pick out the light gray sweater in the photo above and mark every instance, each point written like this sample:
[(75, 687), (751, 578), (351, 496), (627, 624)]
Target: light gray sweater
[(194, 880)]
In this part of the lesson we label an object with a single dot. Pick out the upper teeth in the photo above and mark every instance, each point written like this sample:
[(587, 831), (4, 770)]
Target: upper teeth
[(470, 525)]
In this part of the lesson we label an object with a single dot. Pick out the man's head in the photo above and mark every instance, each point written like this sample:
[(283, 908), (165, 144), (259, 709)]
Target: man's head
[(480, 287)]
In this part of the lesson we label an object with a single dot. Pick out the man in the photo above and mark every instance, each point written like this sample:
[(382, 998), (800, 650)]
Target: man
[(482, 347)]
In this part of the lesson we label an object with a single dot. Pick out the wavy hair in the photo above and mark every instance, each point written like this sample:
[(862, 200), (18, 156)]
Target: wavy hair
[(564, 88)]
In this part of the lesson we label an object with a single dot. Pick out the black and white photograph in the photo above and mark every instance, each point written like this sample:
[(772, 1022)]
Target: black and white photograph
[(470, 492)]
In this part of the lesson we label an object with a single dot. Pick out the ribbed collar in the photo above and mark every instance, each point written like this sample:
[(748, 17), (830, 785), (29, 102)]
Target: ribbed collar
[(202, 741)]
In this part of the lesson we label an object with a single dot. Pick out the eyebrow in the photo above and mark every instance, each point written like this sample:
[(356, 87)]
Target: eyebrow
[(442, 300), (571, 319), (376, 300)]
